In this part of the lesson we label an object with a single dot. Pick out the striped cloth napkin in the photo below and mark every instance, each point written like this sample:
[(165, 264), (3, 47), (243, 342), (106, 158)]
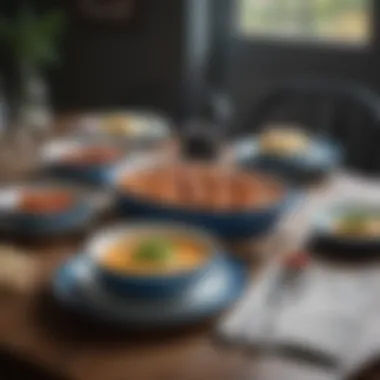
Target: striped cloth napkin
[(326, 316), (318, 312)]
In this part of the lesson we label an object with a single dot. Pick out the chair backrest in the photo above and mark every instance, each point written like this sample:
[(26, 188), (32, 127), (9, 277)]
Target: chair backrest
[(347, 112)]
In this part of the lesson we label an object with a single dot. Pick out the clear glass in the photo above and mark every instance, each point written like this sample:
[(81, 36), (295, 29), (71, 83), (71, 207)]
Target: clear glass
[(331, 21)]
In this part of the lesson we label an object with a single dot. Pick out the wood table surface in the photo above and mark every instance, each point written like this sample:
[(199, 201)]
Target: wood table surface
[(40, 340)]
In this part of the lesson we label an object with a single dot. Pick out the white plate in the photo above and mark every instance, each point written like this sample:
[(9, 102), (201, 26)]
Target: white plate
[(138, 125)]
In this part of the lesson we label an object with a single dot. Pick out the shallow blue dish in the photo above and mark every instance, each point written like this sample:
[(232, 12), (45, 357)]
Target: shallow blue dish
[(77, 287), (14, 220), (324, 241), (227, 225), (52, 159), (142, 127), (322, 157), (155, 284)]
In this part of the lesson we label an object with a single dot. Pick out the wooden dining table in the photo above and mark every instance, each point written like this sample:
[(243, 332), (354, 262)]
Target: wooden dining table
[(41, 340)]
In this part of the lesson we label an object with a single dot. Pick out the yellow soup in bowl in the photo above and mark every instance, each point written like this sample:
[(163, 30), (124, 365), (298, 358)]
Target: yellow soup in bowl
[(154, 255)]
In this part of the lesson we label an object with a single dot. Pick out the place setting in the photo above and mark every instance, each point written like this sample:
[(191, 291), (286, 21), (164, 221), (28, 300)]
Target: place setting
[(150, 275)]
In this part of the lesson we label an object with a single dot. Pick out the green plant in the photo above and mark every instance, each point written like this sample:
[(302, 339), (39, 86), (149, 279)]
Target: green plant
[(31, 37)]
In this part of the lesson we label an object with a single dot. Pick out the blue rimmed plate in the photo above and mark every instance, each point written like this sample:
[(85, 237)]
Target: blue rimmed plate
[(321, 157), (84, 208), (133, 126), (76, 287)]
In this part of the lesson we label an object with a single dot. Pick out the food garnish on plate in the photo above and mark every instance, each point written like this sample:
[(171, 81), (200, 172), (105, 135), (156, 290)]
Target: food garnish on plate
[(119, 124), (284, 141), (358, 225)]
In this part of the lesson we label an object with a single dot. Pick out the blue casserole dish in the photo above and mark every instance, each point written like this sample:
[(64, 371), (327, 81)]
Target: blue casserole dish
[(227, 225)]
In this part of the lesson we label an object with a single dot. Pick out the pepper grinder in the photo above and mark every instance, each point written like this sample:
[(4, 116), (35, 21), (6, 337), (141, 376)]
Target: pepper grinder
[(199, 142), (203, 135)]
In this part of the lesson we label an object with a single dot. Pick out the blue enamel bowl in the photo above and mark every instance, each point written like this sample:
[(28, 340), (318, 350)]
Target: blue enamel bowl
[(53, 159), (321, 158), (12, 219), (150, 285), (227, 225)]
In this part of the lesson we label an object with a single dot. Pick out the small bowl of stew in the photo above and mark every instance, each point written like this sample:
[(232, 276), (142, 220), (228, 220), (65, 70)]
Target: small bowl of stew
[(85, 161), (44, 208), (230, 202), (347, 229), (150, 259)]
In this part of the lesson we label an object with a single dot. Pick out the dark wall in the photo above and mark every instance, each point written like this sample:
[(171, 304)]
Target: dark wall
[(136, 65), (160, 60)]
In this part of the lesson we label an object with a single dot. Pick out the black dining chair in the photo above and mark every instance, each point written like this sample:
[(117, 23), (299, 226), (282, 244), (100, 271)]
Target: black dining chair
[(348, 112)]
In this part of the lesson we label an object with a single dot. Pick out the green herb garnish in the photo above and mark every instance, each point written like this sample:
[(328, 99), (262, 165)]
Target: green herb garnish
[(355, 221), (156, 250)]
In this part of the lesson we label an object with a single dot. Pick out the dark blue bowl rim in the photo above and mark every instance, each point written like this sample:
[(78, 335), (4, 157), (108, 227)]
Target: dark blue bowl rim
[(289, 195)]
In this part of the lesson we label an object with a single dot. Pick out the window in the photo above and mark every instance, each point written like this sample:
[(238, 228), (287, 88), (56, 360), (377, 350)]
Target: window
[(335, 21)]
